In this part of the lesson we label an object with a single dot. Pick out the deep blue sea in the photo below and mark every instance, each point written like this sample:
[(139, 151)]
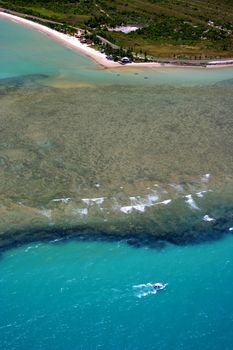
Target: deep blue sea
[(80, 295), (76, 143)]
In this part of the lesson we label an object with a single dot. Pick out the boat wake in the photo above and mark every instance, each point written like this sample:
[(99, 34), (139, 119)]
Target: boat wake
[(145, 289)]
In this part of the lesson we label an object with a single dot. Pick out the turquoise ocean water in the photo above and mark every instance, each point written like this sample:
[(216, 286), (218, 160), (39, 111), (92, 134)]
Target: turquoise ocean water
[(81, 294)]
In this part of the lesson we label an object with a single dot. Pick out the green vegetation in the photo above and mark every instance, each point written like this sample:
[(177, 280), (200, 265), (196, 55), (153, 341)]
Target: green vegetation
[(177, 29)]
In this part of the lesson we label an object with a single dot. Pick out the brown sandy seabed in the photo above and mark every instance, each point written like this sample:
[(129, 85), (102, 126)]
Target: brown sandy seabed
[(113, 157)]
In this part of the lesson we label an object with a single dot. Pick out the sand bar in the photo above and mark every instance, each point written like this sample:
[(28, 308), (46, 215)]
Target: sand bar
[(75, 44)]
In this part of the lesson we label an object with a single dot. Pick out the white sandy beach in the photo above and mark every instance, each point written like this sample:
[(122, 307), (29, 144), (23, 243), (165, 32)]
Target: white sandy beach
[(64, 39), (74, 43)]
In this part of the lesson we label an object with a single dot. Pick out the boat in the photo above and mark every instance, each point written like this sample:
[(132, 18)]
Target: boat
[(157, 285)]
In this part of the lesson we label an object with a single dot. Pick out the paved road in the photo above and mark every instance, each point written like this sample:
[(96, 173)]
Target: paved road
[(107, 42)]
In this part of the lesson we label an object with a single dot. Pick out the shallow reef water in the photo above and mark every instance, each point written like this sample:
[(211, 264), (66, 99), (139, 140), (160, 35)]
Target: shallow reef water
[(116, 159), (83, 149)]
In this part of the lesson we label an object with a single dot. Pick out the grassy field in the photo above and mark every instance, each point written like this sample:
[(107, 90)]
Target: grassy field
[(174, 29)]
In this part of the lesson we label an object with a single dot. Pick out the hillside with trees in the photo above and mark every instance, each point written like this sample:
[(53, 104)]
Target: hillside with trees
[(195, 29)]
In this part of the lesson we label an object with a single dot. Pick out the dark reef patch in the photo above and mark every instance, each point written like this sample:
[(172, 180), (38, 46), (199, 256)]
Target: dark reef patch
[(17, 238), (13, 84)]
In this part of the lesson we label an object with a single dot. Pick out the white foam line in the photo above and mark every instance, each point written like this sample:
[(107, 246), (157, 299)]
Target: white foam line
[(152, 198), (63, 200), (190, 201), (89, 201), (28, 248), (134, 199), (140, 203), (205, 178), (167, 201), (147, 201), (57, 240), (141, 207), (128, 209), (81, 211), (201, 193), (207, 218)]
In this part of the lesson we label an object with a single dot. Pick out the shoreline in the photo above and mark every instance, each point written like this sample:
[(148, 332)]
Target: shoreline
[(100, 58), (64, 39)]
